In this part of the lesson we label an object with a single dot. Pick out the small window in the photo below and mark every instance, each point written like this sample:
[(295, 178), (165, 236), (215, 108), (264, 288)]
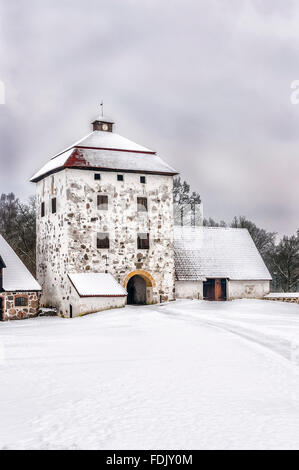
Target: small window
[(142, 179), (42, 209), (21, 301), (102, 202), (97, 176), (103, 240), (53, 203), (142, 204), (120, 177), (52, 185), (143, 241)]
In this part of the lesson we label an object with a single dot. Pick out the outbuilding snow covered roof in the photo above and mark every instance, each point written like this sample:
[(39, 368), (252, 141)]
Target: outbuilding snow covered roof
[(106, 151), (217, 252), (96, 285), (16, 276)]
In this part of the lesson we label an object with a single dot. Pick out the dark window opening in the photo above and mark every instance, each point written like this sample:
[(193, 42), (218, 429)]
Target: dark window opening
[(21, 301), (71, 311), (120, 177), (142, 179), (1, 278), (103, 240), (53, 202), (102, 203), (42, 209), (142, 204), (143, 241), (97, 176)]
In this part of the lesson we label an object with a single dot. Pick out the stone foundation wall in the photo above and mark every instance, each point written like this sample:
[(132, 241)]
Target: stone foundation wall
[(13, 312), (294, 300)]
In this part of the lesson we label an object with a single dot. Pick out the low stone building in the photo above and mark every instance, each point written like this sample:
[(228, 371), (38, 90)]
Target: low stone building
[(93, 292), (217, 263), (19, 291)]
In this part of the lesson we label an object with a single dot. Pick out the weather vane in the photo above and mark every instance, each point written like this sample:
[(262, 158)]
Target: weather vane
[(102, 107)]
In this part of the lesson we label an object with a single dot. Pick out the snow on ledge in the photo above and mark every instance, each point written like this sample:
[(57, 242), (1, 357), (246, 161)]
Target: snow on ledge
[(282, 295)]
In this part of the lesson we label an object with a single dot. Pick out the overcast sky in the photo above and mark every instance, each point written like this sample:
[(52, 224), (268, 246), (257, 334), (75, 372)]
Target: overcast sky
[(205, 83)]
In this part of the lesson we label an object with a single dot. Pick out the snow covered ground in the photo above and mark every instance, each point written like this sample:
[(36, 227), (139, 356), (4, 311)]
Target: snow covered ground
[(183, 375)]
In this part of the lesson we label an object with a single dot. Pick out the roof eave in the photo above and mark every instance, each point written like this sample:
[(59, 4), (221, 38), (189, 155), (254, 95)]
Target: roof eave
[(21, 290), (97, 168), (101, 295)]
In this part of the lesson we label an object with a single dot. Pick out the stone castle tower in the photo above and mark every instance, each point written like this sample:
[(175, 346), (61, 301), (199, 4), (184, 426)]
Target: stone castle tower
[(104, 205)]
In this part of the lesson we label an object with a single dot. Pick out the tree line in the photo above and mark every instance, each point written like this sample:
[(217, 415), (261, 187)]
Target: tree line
[(18, 226), (280, 256)]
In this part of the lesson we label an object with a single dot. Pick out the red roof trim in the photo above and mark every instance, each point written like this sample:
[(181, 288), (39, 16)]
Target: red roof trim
[(82, 296), (114, 150)]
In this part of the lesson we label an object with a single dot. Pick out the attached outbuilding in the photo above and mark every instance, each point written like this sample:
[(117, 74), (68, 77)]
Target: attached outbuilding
[(218, 263), (93, 292), (19, 291)]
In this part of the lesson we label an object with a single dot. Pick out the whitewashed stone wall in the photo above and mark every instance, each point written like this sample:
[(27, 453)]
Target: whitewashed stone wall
[(247, 289), (52, 243), (85, 305), (189, 289), (66, 241), (235, 289)]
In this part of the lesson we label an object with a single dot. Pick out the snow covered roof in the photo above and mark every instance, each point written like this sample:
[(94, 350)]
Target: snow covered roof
[(16, 276), (96, 285), (106, 150), (217, 252), (53, 165), (104, 119), (109, 140)]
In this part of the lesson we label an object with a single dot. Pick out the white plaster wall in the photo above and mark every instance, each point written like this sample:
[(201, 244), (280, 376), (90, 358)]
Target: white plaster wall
[(189, 289), (247, 289), (123, 222), (66, 241), (52, 243), (96, 304)]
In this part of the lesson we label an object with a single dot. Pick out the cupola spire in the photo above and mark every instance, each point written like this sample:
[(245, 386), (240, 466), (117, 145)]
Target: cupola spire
[(103, 123)]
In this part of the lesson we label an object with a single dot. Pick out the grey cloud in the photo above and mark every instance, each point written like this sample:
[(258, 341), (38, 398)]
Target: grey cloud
[(206, 83)]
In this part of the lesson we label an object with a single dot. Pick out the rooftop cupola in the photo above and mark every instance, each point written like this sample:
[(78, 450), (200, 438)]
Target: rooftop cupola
[(103, 123)]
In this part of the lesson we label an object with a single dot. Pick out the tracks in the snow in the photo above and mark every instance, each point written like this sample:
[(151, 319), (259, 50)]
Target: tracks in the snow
[(285, 348)]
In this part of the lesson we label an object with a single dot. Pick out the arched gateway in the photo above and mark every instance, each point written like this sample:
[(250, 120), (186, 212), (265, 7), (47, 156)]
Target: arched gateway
[(139, 285)]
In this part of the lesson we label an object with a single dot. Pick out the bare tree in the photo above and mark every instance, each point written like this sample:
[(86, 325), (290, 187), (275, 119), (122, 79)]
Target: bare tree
[(187, 209), (17, 225), (285, 263)]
